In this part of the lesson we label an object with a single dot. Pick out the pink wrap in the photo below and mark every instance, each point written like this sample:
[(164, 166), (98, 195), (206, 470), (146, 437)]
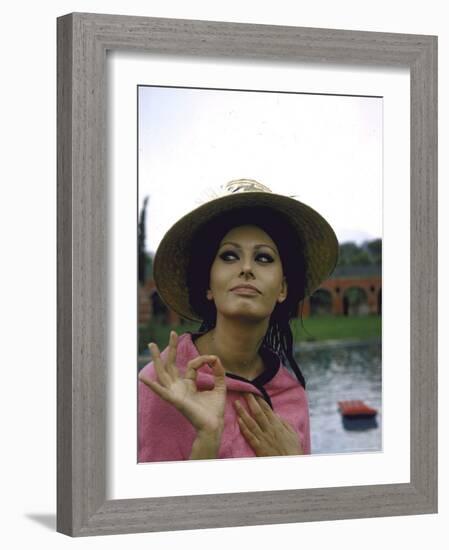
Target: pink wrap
[(165, 434)]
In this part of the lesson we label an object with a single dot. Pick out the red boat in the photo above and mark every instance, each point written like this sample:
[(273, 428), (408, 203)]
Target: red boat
[(356, 409)]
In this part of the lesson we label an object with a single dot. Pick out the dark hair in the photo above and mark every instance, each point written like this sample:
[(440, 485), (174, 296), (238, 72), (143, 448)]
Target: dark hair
[(204, 247)]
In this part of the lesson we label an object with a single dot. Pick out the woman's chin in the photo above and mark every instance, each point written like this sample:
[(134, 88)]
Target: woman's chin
[(246, 315)]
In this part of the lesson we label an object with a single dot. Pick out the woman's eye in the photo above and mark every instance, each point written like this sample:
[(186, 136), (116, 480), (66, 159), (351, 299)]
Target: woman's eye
[(228, 255), (264, 258)]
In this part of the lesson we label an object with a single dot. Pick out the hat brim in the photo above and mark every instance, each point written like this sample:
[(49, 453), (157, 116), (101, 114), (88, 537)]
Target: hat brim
[(319, 243)]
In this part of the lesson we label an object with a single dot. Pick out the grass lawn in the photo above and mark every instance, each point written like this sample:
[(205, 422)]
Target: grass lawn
[(314, 329), (337, 328)]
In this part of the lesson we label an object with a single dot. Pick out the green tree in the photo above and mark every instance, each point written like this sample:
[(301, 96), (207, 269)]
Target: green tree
[(374, 248), (145, 261), (369, 253), (348, 252)]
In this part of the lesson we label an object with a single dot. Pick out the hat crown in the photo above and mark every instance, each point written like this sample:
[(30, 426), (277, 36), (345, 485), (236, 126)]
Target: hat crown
[(245, 186)]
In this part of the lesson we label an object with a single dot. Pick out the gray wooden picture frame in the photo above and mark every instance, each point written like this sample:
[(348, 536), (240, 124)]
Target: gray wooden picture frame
[(83, 40)]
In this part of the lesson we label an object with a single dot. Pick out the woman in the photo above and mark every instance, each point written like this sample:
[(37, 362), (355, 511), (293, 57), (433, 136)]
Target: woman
[(241, 264)]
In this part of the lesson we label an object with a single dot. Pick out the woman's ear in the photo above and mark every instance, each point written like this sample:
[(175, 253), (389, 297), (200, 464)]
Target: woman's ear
[(283, 293), (209, 294)]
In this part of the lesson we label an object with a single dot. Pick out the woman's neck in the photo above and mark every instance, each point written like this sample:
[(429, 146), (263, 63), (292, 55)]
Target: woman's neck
[(237, 345)]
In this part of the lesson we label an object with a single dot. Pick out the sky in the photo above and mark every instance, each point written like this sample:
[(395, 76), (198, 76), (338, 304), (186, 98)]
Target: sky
[(326, 150)]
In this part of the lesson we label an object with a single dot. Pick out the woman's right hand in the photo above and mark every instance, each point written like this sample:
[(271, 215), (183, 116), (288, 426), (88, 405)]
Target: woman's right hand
[(203, 409)]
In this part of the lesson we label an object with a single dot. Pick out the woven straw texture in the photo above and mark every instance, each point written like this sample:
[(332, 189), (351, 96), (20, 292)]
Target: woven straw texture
[(320, 245)]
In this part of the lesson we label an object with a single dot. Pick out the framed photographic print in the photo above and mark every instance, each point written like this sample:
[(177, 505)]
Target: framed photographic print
[(159, 113), (323, 149)]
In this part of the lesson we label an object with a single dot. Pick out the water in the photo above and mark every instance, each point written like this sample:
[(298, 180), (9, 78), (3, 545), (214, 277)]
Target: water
[(344, 373)]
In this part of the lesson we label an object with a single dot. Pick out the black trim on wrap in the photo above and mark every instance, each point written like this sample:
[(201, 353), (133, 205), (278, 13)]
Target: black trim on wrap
[(271, 362)]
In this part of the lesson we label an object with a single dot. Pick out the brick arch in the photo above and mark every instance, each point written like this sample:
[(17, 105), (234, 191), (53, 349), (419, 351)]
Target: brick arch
[(337, 286), (362, 307), (145, 310), (316, 307), (145, 305)]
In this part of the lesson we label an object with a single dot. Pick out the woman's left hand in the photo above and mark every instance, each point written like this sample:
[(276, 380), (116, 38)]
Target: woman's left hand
[(265, 431)]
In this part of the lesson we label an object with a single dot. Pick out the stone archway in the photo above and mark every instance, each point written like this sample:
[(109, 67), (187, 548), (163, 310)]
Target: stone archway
[(355, 301), (321, 302), (341, 305)]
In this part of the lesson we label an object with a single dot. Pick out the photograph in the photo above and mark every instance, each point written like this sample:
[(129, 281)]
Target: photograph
[(259, 273), (246, 223)]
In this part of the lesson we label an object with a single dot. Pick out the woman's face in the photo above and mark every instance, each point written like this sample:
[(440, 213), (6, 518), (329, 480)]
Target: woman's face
[(246, 278)]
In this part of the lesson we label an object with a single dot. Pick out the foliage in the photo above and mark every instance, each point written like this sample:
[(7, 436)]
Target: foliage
[(145, 260), (369, 253)]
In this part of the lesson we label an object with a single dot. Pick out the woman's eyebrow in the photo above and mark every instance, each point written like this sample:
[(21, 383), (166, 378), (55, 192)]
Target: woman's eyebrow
[(256, 246)]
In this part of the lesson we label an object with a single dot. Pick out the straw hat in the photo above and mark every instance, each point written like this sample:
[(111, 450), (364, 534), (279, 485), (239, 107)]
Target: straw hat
[(319, 242)]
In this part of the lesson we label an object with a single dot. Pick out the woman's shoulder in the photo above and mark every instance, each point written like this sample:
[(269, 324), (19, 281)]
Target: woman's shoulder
[(186, 349), (285, 380)]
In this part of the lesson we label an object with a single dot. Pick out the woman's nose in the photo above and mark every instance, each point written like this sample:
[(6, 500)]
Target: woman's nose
[(247, 267)]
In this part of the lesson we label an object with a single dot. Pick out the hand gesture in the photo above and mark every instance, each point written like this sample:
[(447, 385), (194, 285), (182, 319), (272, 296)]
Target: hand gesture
[(265, 431), (204, 409)]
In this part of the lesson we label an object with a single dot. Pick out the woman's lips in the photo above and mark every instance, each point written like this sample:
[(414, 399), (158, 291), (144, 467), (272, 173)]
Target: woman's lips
[(245, 290)]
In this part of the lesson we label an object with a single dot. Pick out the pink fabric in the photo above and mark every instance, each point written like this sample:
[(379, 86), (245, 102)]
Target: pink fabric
[(165, 434)]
